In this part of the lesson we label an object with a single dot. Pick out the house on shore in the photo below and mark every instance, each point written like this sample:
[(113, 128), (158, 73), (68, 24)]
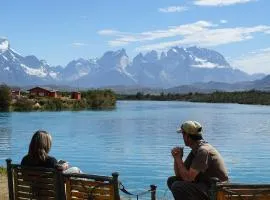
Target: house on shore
[(76, 95), (44, 92)]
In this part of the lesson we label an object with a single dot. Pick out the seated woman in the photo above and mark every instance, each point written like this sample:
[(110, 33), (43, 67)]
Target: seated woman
[(37, 156)]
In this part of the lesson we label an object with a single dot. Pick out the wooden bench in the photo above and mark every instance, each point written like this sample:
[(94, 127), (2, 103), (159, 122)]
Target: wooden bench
[(45, 183), (34, 183), (233, 191)]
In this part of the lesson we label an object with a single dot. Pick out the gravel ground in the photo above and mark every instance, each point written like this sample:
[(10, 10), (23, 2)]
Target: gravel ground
[(3, 187)]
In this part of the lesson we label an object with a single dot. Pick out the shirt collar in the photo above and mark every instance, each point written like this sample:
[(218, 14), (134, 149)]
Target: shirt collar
[(197, 145)]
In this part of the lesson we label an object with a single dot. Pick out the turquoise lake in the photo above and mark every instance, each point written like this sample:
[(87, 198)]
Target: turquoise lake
[(135, 139)]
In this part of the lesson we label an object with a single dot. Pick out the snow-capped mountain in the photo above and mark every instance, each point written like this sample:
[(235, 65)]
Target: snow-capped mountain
[(111, 70), (77, 69), (174, 67), (180, 66), (19, 70)]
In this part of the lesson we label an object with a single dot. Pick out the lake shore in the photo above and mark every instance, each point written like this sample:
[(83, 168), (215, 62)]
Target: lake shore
[(3, 187), (252, 97)]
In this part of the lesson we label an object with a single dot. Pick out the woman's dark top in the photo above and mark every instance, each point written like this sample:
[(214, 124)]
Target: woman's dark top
[(50, 162)]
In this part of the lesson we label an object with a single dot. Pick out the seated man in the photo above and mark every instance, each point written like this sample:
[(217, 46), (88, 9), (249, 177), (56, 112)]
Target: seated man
[(192, 177)]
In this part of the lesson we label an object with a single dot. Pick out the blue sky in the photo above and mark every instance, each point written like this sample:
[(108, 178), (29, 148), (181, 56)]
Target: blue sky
[(60, 31)]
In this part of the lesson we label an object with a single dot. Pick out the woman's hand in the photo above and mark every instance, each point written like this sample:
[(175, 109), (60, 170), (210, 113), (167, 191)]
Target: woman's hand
[(62, 165)]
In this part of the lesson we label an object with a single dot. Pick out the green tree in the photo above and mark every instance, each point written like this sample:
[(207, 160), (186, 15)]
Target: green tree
[(100, 99), (139, 95), (5, 98)]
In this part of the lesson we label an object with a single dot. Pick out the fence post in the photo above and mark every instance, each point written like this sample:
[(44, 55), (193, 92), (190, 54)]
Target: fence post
[(153, 192), (116, 188), (10, 179)]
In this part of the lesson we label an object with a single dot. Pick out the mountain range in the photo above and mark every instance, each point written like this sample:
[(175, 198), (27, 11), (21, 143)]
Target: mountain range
[(169, 69)]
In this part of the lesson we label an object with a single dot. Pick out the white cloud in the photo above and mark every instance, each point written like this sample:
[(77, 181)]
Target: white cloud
[(78, 44), (107, 32), (220, 2), (202, 33), (171, 9), (118, 43), (182, 30), (254, 62), (210, 37), (223, 21)]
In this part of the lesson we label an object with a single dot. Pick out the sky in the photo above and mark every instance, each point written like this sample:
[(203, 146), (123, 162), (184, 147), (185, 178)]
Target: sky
[(60, 31)]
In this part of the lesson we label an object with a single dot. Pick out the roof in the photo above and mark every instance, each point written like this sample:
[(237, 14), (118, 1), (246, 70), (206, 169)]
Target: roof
[(45, 88)]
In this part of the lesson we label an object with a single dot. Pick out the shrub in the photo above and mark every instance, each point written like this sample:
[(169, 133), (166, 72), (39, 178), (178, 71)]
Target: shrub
[(3, 170), (23, 105), (5, 98), (54, 105)]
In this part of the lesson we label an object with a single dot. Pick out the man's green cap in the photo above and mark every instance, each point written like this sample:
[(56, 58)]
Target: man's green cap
[(190, 127)]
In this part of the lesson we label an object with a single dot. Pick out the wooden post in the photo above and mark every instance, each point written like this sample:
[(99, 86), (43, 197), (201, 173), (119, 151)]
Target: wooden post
[(10, 179), (212, 192), (115, 182), (60, 186), (153, 192)]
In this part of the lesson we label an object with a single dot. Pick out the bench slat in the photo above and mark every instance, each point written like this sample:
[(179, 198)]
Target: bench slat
[(81, 188), (244, 192)]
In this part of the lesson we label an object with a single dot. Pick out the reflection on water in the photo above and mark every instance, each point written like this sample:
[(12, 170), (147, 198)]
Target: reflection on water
[(136, 138), (5, 135)]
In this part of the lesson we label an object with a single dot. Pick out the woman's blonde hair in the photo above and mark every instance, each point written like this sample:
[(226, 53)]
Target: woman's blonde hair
[(40, 145)]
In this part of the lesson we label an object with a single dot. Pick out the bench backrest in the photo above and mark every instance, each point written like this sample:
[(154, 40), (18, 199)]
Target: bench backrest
[(34, 183), (241, 191), (85, 187)]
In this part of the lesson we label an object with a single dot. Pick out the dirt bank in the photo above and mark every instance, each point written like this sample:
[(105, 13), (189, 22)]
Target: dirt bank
[(3, 187)]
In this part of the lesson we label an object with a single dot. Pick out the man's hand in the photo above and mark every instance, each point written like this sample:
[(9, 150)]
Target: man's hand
[(177, 152)]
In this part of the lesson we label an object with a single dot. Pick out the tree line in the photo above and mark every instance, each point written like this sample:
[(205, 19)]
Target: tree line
[(241, 97)]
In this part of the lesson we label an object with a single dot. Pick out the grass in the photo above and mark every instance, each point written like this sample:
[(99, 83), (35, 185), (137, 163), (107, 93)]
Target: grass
[(3, 170), (3, 183)]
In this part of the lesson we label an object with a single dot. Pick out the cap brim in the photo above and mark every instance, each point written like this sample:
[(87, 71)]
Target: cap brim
[(179, 130)]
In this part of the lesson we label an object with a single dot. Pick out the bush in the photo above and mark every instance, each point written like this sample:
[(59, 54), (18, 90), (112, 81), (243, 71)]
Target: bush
[(3, 170), (5, 98), (100, 99), (54, 105), (79, 105), (23, 105)]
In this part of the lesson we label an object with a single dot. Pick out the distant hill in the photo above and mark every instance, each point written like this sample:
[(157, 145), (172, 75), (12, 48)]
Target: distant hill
[(261, 84), (209, 87)]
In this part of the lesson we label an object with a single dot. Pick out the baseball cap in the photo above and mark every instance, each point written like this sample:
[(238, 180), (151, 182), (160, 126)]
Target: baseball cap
[(190, 127)]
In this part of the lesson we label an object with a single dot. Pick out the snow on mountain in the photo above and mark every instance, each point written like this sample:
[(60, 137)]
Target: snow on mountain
[(4, 45), (208, 55), (40, 72), (78, 68), (111, 69), (204, 63), (16, 69)]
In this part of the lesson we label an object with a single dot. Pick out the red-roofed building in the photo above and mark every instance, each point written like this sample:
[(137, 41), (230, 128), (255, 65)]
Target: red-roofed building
[(43, 92), (76, 95)]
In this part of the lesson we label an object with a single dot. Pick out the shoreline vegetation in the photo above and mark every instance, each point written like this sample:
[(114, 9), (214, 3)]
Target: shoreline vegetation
[(253, 97), (26, 102), (106, 99)]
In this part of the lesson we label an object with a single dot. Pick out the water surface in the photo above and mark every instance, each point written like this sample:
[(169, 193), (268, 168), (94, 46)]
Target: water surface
[(135, 139)]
